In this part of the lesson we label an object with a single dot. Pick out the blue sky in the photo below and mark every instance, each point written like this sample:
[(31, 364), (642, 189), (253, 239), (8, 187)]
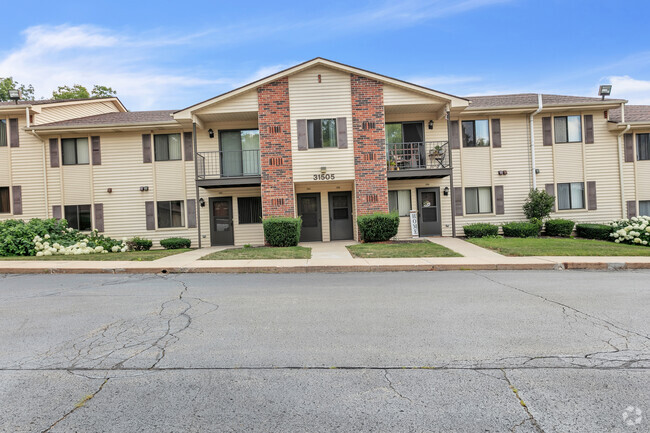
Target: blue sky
[(161, 55)]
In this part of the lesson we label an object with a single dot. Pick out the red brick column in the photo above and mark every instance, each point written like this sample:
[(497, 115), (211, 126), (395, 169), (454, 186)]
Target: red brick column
[(274, 123), (370, 176)]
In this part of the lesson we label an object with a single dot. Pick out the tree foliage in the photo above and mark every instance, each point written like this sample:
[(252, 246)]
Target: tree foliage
[(102, 92), (77, 91), (9, 83)]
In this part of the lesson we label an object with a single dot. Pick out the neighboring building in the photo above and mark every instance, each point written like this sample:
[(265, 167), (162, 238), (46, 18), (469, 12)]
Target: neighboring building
[(325, 141)]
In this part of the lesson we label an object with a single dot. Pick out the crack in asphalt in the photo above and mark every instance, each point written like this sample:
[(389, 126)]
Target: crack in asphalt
[(392, 387), (79, 405), (523, 404)]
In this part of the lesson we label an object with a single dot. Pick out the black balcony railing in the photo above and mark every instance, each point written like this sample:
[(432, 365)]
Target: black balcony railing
[(228, 163), (417, 155)]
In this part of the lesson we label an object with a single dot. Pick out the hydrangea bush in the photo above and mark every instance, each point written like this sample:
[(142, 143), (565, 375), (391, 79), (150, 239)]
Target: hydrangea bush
[(635, 230), (46, 237)]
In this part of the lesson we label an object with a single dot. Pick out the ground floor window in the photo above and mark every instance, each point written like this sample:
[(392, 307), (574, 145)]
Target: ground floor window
[(250, 210), (78, 217), (644, 208), (571, 195), (5, 204), (400, 201), (170, 214), (478, 200)]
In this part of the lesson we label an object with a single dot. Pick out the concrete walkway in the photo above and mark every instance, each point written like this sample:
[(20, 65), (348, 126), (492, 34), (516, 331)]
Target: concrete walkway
[(331, 257)]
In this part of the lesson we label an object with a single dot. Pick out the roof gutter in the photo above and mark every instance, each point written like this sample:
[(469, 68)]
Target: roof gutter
[(532, 138), (126, 126)]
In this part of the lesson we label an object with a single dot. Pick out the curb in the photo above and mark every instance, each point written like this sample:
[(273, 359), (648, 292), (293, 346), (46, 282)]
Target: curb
[(601, 266)]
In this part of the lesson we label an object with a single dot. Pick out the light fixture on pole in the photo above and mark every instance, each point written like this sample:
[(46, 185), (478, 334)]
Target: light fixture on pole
[(14, 95), (604, 90)]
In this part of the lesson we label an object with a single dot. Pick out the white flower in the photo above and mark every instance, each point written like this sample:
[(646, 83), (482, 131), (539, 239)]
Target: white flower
[(618, 241), (115, 249), (637, 240), (83, 245), (47, 253), (99, 249), (123, 250), (39, 254), (46, 236)]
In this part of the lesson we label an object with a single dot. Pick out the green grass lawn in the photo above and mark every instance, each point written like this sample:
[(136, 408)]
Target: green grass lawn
[(558, 247), (260, 253), (132, 256), (401, 249)]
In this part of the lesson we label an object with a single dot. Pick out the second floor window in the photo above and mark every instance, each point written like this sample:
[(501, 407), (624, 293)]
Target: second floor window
[(167, 147), (74, 151), (568, 129), (570, 195), (170, 214), (5, 204), (78, 217), (643, 147), (476, 133), (478, 200), (321, 133), (240, 152), (3, 132)]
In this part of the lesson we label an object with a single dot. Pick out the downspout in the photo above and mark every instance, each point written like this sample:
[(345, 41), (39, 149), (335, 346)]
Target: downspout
[(620, 165), (451, 176), (532, 139), (196, 162), (45, 192)]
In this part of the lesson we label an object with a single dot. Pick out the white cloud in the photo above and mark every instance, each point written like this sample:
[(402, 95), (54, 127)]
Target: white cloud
[(626, 87)]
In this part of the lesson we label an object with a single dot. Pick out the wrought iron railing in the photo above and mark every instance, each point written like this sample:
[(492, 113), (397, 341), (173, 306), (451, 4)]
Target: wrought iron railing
[(228, 163), (417, 155)]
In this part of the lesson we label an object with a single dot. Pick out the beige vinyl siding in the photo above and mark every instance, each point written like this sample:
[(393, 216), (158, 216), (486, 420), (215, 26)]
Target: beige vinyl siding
[(5, 166), (310, 99), (568, 162), (404, 230), (243, 233), (324, 188), (58, 113), (244, 102), (77, 184), (397, 96)]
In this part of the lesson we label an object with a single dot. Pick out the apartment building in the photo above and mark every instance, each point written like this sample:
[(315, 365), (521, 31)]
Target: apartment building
[(325, 141)]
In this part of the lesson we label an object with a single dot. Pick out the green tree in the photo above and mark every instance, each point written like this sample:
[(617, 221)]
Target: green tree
[(538, 205), (8, 83), (77, 91), (102, 91)]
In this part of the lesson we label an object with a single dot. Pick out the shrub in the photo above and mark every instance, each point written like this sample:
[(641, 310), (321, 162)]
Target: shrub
[(635, 230), (378, 227), (538, 205), (559, 227), (175, 243), (282, 231), (139, 244), (594, 231), (521, 229), (480, 230)]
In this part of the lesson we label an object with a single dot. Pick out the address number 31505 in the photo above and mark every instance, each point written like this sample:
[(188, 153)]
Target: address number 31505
[(324, 176)]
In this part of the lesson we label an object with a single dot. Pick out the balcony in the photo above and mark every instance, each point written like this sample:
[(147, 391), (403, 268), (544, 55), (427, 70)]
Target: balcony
[(428, 159), (227, 168)]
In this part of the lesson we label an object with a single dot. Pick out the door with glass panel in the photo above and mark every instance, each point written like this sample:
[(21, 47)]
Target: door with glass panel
[(221, 230), (309, 211), (340, 215), (405, 142), (240, 153), (429, 212)]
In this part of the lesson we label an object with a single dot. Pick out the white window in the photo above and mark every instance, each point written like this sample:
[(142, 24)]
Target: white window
[(571, 195), (568, 129), (167, 147), (321, 133), (644, 208), (170, 214), (75, 151), (478, 200), (400, 202), (476, 133)]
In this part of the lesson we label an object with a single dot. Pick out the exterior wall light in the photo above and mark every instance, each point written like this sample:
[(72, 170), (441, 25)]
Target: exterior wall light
[(144, 188), (211, 133), (323, 170), (430, 124), (201, 202), (446, 191)]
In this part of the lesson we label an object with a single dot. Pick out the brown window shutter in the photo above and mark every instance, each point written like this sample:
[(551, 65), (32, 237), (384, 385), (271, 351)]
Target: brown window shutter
[(96, 150), (99, 217), (547, 131), (14, 137), (499, 205), (17, 196), (303, 144), (592, 203), (628, 144), (631, 208), (458, 200), (151, 219), (188, 146), (146, 148), (342, 132), (54, 152), (191, 213), (589, 128), (56, 211), (550, 190), (496, 132), (454, 136)]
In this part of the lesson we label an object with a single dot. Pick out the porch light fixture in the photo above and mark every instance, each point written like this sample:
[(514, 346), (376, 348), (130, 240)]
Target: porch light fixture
[(201, 202), (430, 124), (323, 170), (605, 90), (211, 133), (446, 191)]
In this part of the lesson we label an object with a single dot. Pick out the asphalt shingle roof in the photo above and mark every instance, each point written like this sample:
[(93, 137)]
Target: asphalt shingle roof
[(530, 100), (47, 101), (118, 118), (633, 113)]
